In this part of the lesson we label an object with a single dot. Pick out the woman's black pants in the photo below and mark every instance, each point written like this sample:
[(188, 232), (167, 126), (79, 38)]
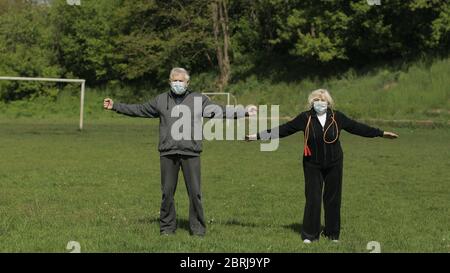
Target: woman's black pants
[(322, 182)]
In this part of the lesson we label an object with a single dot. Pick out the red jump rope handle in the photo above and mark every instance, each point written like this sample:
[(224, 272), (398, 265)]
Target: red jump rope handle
[(307, 151)]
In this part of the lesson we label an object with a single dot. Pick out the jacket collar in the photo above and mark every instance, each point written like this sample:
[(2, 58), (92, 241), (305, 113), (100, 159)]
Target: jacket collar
[(170, 94), (173, 95)]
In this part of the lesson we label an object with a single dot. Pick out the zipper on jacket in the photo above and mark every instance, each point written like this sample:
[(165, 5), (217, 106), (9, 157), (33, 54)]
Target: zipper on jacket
[(324, 144), (334, 144), (315, 141), (174, 100)]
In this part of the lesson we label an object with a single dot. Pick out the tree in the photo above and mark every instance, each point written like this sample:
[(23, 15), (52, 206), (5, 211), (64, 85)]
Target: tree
[(222, 40), (85, 39), (158, 35), (26, 50)]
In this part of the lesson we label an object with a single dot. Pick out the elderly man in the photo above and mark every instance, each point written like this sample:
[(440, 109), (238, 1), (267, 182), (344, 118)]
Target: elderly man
[(176, 152)]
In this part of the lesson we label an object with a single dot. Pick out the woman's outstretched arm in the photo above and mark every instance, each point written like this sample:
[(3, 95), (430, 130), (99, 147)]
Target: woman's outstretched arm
[(361, 129), (284, 130)]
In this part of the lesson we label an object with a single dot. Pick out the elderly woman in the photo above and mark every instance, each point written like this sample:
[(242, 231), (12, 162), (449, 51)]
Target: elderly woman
[(322, 160)]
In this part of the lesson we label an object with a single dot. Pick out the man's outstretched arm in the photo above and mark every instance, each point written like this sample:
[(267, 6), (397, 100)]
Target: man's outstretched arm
[(146, 110), (212, 110)]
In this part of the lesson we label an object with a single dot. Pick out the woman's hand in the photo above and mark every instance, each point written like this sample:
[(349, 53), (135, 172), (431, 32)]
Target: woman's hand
[(390, 135), (252, 137)]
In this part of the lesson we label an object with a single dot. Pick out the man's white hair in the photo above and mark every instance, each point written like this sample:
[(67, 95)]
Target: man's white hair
[(177, 71), (320, 93)]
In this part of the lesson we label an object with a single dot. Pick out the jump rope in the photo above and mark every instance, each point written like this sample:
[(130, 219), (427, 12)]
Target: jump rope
[(307, 150)]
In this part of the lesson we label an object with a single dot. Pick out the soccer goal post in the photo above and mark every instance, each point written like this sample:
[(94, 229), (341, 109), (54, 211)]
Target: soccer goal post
[(82, 82), (228, 95)]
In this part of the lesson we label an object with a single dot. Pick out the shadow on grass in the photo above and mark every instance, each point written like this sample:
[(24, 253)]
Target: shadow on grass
[(181, 223), (234, 222), (297, 227), (184, 224)]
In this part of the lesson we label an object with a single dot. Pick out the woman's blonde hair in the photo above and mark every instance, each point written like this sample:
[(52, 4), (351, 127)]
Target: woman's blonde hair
[(320, 93)]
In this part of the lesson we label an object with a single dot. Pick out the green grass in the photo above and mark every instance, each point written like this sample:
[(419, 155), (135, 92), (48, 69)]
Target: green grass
[(418, 91), (101, 187)]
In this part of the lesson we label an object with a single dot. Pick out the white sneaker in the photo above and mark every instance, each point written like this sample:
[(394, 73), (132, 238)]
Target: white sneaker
[(306, 241), (335, 241)]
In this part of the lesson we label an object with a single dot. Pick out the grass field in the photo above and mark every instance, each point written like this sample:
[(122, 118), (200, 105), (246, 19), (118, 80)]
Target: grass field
[(418, 91), (101, 187)]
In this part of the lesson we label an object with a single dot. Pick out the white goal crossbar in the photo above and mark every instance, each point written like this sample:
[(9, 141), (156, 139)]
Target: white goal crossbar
[(83, 85), (82, 82), (229, 95)]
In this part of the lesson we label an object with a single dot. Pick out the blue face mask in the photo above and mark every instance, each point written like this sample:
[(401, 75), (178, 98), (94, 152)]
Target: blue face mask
[(320, 107), (178, 87)]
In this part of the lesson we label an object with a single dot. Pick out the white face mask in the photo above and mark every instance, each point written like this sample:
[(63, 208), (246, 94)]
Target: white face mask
[(178, 87), (320, 107)]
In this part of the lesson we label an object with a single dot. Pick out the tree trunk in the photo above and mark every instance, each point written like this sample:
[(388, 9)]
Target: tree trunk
[(222, 40)]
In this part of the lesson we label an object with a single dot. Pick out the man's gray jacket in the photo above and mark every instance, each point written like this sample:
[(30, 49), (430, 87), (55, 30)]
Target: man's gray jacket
[(164, 107)]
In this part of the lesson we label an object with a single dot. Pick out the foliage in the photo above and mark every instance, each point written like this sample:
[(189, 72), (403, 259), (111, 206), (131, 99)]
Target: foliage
[(136, 42)]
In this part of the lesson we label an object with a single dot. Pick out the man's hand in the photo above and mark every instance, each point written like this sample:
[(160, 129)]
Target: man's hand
[(252, 137), (251, 110), (390, 135), (108, 103)]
